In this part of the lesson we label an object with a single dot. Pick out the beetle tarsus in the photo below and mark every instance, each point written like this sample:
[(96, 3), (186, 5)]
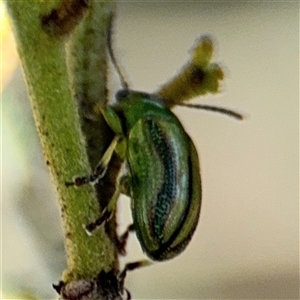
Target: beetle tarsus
[(88, 232), (132, 266), (79, 181), (106, 215), (91, 179)]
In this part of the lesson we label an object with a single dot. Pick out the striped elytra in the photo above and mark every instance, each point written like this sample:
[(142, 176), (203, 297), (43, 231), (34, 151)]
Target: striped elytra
[(165, 175)]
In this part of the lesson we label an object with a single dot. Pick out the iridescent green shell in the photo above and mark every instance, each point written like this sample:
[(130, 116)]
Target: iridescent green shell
[(165, 175)]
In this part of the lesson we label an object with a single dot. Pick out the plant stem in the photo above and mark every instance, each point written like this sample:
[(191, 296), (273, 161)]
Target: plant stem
[(43, 59)]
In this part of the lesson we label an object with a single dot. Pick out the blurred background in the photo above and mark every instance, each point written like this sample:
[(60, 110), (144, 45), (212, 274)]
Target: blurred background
[(247, 243)]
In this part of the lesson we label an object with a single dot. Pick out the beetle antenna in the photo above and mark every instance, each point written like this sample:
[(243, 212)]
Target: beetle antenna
[(112, 55), (221, 110)]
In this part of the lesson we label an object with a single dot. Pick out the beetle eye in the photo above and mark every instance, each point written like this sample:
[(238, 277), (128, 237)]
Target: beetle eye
[(122, 94)]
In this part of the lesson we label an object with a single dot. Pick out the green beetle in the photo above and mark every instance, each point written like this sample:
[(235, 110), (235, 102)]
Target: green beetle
[(164, 175), (164, 168)]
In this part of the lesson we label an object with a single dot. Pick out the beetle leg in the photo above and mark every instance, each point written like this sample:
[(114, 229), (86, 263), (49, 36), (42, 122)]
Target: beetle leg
[(125, 185), (100, 169), (132, 266), (122, 240), (106, 214)]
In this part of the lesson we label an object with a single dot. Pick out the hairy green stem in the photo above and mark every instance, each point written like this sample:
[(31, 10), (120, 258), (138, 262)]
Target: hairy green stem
[(43, 59)]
